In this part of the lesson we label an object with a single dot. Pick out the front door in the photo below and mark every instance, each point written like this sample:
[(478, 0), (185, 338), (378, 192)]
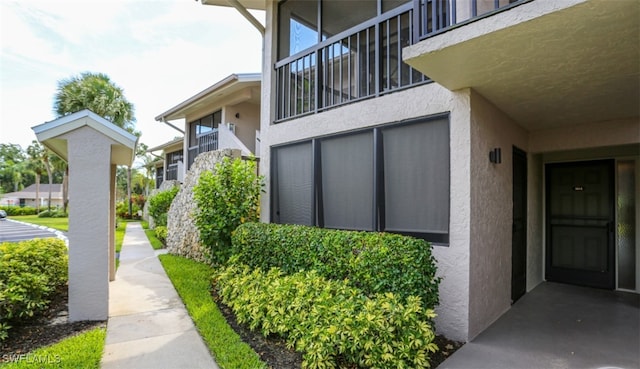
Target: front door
[(580, 223)]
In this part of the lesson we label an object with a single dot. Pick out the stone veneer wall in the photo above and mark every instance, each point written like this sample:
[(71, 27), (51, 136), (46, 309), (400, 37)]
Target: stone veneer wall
[(182, 234)]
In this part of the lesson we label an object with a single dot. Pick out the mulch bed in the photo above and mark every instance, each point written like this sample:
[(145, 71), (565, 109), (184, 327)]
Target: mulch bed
[(52, 327)]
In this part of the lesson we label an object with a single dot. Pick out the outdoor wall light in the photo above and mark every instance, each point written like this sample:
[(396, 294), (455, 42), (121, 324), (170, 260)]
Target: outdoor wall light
[(495, 156), (237, 115)]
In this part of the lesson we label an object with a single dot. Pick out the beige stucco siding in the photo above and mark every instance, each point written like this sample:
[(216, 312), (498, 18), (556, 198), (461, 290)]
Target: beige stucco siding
[(247, 123), (491, 212)]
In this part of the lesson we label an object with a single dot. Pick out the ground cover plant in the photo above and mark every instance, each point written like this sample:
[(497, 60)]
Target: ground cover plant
[(192, 281), (152, 235)]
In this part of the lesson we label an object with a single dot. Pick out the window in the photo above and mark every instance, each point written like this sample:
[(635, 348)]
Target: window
[(391, 178), (347, 181), (203, 125), (293, 185)]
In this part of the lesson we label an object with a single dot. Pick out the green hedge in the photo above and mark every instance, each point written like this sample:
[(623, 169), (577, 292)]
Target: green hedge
[(17, 210), (332, 323), (30, 271), (372, 261), (160, 203)]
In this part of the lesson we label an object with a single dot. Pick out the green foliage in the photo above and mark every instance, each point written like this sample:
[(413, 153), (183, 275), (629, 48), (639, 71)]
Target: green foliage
[(225, 200), (81, 351), (332, 323), (192, 281), (30, 271), (122, 210), (161, 234), (159, 205), (54, 213), (18, 211), (374, 262)]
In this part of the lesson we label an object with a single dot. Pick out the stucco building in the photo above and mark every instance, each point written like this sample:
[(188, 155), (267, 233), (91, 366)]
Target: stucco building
[(506, 133)]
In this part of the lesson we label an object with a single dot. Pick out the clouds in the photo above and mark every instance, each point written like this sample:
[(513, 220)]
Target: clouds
[(159, 52)]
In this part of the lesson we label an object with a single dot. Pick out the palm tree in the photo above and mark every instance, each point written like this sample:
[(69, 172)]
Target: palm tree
[(35, 155), (96, 92), (60, 166)]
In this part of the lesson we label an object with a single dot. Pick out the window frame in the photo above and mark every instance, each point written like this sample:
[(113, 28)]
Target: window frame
[(379, 196)]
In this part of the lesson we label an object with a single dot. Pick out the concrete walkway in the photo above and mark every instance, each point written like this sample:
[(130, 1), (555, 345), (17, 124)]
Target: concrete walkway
[(148, 325), (558, 326)]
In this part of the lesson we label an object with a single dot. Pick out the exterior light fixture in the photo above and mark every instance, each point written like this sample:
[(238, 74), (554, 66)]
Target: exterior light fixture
[(495, 156)]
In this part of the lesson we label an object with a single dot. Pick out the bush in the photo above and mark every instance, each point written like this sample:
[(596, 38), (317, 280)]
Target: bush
[(225, 200), (161, 234), (30, 271), (54, 213), (159, 205), (330, 322), (17, 210), (122, 210), (374, 262)]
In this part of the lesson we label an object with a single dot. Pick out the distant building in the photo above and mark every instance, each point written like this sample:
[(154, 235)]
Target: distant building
[(27, 197)]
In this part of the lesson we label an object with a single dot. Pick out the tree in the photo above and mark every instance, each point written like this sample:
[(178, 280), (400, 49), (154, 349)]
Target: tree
[(12, 160), (96, 92), (38, 162)]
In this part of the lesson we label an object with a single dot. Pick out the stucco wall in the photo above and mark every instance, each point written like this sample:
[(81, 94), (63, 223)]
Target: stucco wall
[(88, 152), (491, 212), (247, 123)]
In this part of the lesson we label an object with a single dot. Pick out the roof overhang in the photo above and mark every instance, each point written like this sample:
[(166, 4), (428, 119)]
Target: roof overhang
[(167, 145), (49, 134), (213, 95), (544, 63), (248, 4)]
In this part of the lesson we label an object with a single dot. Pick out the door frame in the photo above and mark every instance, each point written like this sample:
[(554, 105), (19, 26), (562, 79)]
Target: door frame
[(611, 237), (519, 291)]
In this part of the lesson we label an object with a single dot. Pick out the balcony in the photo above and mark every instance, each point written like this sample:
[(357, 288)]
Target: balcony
[(544, 63), (204, 142), (362, 62)]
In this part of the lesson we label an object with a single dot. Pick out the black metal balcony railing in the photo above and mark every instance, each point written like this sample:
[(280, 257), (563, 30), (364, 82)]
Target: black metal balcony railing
[(172, 172), (204, 142), (436, 16), (361, 62)]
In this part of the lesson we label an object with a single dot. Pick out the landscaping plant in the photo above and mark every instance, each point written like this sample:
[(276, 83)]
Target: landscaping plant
[(226, 198), (374, 262), (332, 323), (159, 205), (30, 272)]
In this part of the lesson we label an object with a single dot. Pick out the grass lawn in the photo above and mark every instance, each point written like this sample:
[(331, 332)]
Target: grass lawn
[(192, 280), (61, 224), (151, 235), (81, 351)]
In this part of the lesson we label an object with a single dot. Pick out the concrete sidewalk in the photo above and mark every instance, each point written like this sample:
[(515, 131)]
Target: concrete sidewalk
[(148, 325)]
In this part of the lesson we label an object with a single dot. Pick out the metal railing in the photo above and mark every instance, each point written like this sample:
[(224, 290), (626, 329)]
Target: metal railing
[(172, 172), (436, 16), (361, 62), (205, 142)]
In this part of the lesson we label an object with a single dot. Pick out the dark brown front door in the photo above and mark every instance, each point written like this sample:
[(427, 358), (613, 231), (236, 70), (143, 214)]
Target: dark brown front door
[(580, 221), (519, 226)]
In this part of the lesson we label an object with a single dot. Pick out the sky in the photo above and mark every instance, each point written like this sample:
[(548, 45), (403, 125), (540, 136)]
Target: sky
[(160, 52)]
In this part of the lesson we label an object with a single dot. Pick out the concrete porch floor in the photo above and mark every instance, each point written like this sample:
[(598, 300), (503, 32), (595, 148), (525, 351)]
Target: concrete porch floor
[(559, 326)]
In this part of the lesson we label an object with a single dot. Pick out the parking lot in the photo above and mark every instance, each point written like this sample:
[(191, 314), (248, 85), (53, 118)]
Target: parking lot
[(13, 231)]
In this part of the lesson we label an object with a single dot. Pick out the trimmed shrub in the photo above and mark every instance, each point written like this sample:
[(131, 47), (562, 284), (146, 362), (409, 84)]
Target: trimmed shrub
[(17, 210), (225, 200), (30, 271), (159, 205), (161, 234), (375, 262), (330, 322)]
